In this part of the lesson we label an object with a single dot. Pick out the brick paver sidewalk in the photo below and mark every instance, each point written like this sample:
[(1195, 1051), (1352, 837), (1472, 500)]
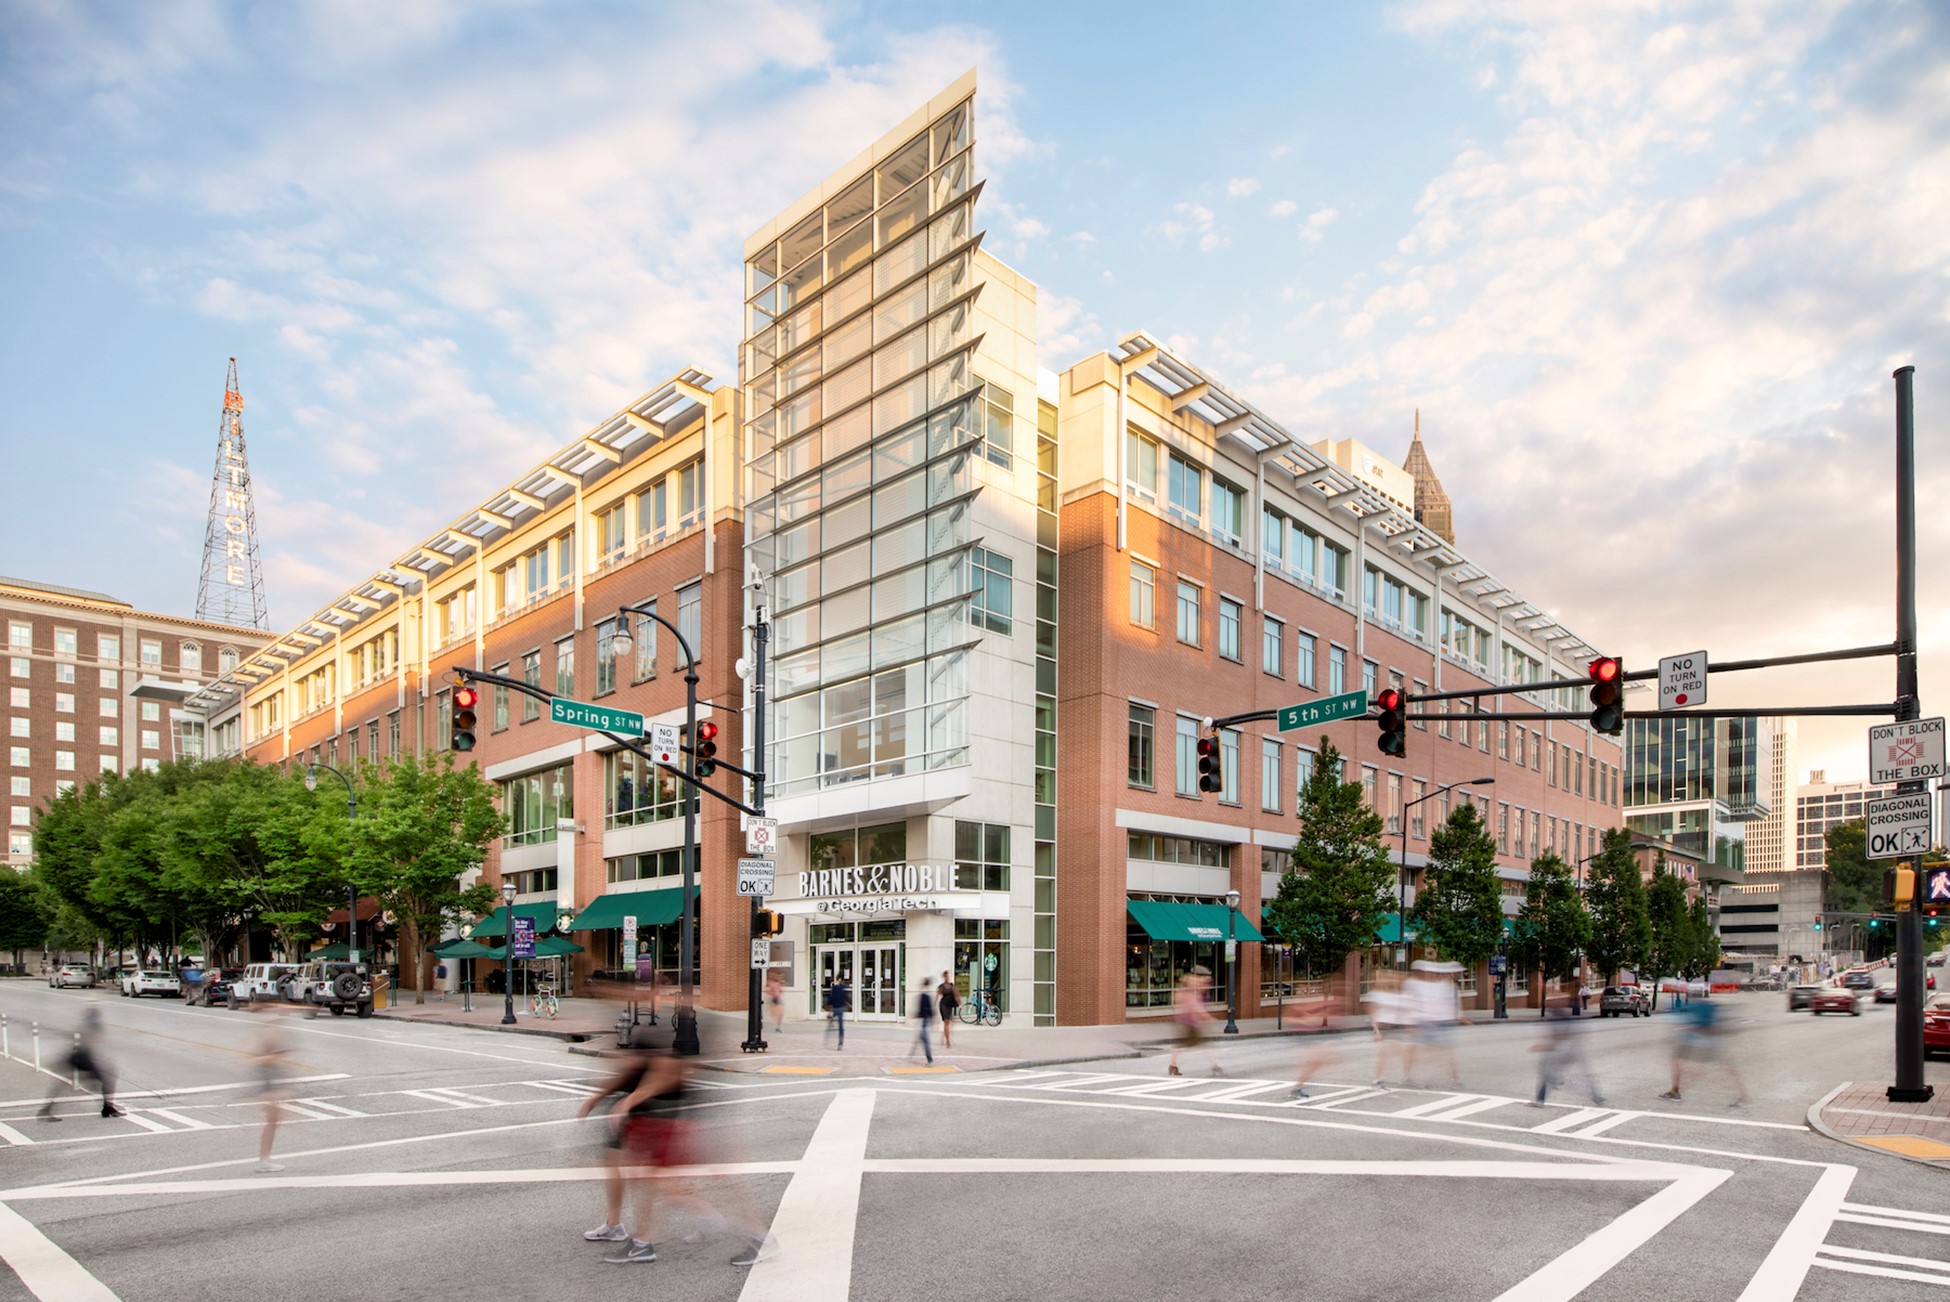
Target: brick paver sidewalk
[(1860, 1113)]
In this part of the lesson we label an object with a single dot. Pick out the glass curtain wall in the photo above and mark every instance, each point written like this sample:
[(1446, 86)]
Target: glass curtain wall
[(861, 427)]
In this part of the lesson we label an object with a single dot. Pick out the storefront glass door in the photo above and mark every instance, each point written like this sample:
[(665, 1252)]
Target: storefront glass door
[(872, 967)]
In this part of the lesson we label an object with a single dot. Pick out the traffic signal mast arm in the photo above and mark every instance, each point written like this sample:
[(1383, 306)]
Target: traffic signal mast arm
[(528, 689)]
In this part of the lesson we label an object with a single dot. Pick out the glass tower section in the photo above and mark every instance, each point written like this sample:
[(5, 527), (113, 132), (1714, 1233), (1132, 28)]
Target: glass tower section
[(859, 436)]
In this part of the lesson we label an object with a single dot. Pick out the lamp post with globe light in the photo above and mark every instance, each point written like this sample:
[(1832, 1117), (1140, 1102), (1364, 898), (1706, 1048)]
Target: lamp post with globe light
[(351, 891)]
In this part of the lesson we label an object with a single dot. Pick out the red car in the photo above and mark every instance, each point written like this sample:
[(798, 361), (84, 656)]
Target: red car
[(1835, 999), (1936, 1025)]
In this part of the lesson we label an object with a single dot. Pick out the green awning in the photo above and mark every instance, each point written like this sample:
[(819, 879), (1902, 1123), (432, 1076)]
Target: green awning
[(543, 912), (459, 949), (1167, 920), (649, 908), (546, 947), (1389, 934), (336, 950)]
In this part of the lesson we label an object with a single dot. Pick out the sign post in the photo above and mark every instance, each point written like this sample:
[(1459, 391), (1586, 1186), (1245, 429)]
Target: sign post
[(1327, 709), (1682, 680)]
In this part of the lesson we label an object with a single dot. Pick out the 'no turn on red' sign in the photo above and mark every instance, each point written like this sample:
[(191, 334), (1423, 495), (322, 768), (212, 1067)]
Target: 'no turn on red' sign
[(1682, 680)]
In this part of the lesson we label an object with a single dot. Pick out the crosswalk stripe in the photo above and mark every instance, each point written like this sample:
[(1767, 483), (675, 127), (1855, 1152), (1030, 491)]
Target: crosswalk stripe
[(156, 1126), (1164, 1086), (1919, 1227), (332, 1108), (1235, 1093), (1468, 1109), (1334, 1093), (13, 1136), (187, 1123), (1863, 1254), (1600, 1127), (308, 1114), (1570, 1121), (1359, 1096), (1904, 1212), (1886, 1272), (471, 1098), (1078, 1083), (1436, 1105), (560, 1088), (436, 1096)]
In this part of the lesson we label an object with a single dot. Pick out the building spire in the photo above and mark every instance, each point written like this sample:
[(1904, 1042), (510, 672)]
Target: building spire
[(231, 590), (1433, 509)]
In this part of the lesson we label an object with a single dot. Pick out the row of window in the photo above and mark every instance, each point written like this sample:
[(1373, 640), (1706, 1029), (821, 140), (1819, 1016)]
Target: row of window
[(64, 762), (108, 647), (110, 707), (64, 730)]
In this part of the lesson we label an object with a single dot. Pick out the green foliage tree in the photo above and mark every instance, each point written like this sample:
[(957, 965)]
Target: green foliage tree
[(274, 850), (1703, 954), (1621, 930), (1673, 935), (422, 824), (1854, 880), (1339, 884), (1460, 904), (25, 915), (1552, 927)]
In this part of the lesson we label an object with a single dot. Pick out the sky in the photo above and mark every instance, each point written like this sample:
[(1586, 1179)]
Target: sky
[(1645, 269)]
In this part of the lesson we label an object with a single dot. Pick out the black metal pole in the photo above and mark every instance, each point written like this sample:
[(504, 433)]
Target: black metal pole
[(507, 959), (754, 1002), (1401, 888), (685, 1020), (1232, 969), (1909, 1086)]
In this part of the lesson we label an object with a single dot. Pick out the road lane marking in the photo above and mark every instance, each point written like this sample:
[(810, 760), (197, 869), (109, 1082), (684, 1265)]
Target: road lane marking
[(1440, 1105), (1902, 1213), (1164, 1086), (470, 1098), (49, 1273), (1786, 1266), (443, 1096), (175, 1093), (1942, 1268), (187, 1123), (1863, 1268), (1571, 1121), (1359, 1096), (1470, 1109), (1918, 1227), (1619, 1119), (13, 1136), (1588, 1260), (391, 1180), (1237, 1093), (332, 1108), (819, 1212)]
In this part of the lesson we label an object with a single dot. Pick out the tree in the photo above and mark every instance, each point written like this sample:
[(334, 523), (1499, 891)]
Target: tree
[(1854, 880), (270, 847), (1339, 884), (1703, 955), (1621, 931), (422, 824), (1552, 927), (1673, 934), (24, 915), (1460, 905)]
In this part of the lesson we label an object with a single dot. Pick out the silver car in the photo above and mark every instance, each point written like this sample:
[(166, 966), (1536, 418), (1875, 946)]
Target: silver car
[(72, 974)]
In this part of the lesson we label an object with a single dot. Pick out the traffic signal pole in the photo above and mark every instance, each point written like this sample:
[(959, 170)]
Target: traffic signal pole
[(754, 999), (1910, 1086)]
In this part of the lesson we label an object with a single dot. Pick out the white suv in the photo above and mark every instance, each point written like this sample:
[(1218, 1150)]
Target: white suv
[(339, 986), (264, 980)]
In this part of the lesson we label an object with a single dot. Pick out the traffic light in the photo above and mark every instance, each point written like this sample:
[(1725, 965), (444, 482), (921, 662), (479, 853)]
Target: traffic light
[(465, 699), (1209, 777), (1392, 722), (1898, 886), (1607, 695), (704, 751), (1817, 922), (767, 922)]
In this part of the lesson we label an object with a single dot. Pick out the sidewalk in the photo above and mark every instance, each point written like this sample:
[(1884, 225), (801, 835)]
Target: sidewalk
[(1860, 1113), (872, 1047)]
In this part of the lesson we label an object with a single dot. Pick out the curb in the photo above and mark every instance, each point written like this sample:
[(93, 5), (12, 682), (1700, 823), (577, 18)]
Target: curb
[(1821, 1127), (573, 1037)]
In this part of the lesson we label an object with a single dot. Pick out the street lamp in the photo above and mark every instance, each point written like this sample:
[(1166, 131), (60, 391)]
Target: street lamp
[(1401, 877), (1232, 951), (351, 891), (621, 646), (507, 953)]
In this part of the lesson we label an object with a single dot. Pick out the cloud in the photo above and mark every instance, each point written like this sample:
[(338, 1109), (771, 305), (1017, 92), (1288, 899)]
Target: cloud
[(1065, 330), (1242, 187), (1284, 208), (1317, 223), (1199, 221)]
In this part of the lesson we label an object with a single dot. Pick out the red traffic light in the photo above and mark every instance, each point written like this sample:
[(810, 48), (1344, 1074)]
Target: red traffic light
[(707, 731), (466, 698), (1603, 670), (1389, 699)]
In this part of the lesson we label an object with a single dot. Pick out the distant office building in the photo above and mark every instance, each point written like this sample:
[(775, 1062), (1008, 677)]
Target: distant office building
[(95, 685), (1698, 782), (1820, 805), (1770, 839)]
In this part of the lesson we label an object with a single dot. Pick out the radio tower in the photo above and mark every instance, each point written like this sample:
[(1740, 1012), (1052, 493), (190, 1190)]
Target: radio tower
[(232, 588)]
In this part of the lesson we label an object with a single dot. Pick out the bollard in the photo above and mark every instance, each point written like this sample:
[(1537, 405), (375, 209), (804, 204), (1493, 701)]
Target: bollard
[(74, 1063), (5, 1050), (37, 1046)]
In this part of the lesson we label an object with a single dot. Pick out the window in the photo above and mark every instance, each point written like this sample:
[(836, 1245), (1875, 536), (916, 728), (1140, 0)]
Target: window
[(1336, 671), (690, 617), (190, 658), (226, 660), (108, 734), (981, 856), (20, 666), (64, 731), (1333, 568), (565, 667), (1536, 751), (1519, 739), (20, 698), (1550, 771), (23, 816), (23, 786), (996, 410), (64, 673), (455, 615), (1269, 774), (18, 757), (1188, 612), (1305, 653), (994, 589), (1229, 614), (1503, 739), (1228, 511), (64, 760), (108, 646), (1421, 689), (605, 662), (20, 636), (1502, 828), (110, 707), (372, 739), (392, 734), (352, 742), (531, 673), (1370, 786), (1271, 639), (64, 702), (1272, 538), (1370, 677), (1417, 789), (18, 726), (1185, 757), (1394, 810), (112, 679), (1141, 466), (1143, 585), (612, 532), (1229, 766), (1143, 726), (151, 739), (1187, 490), (533, 803), (645, 641), (65, 642), (637, 791)]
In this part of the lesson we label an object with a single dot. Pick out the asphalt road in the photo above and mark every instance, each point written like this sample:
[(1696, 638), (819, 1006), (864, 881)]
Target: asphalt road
[(425, 1161)]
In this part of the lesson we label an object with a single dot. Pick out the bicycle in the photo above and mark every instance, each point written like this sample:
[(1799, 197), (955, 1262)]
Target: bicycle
[(543, 1004), (979, 1008)]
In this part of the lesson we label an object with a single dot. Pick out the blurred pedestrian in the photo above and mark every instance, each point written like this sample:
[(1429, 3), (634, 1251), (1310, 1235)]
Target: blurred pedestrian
[(775, 996), (1701, 1043), (924, 1014), (631, 1065), (1192, 1017), (1562, 1047), (86, 1060), (648, 1086), (1321, 1051), (270, 1051), (839, 999), (1389, 1022), (1434, 1006), (947, 1000)]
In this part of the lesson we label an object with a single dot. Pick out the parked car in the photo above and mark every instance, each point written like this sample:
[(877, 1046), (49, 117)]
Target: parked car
[(217, 989), (1936, 1025), (1936, 959), (72, 974), (1628, 1001), (1858, 981), (1799, 997), (339, 986), (150, 981), (264, 980), (1836, 999)]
